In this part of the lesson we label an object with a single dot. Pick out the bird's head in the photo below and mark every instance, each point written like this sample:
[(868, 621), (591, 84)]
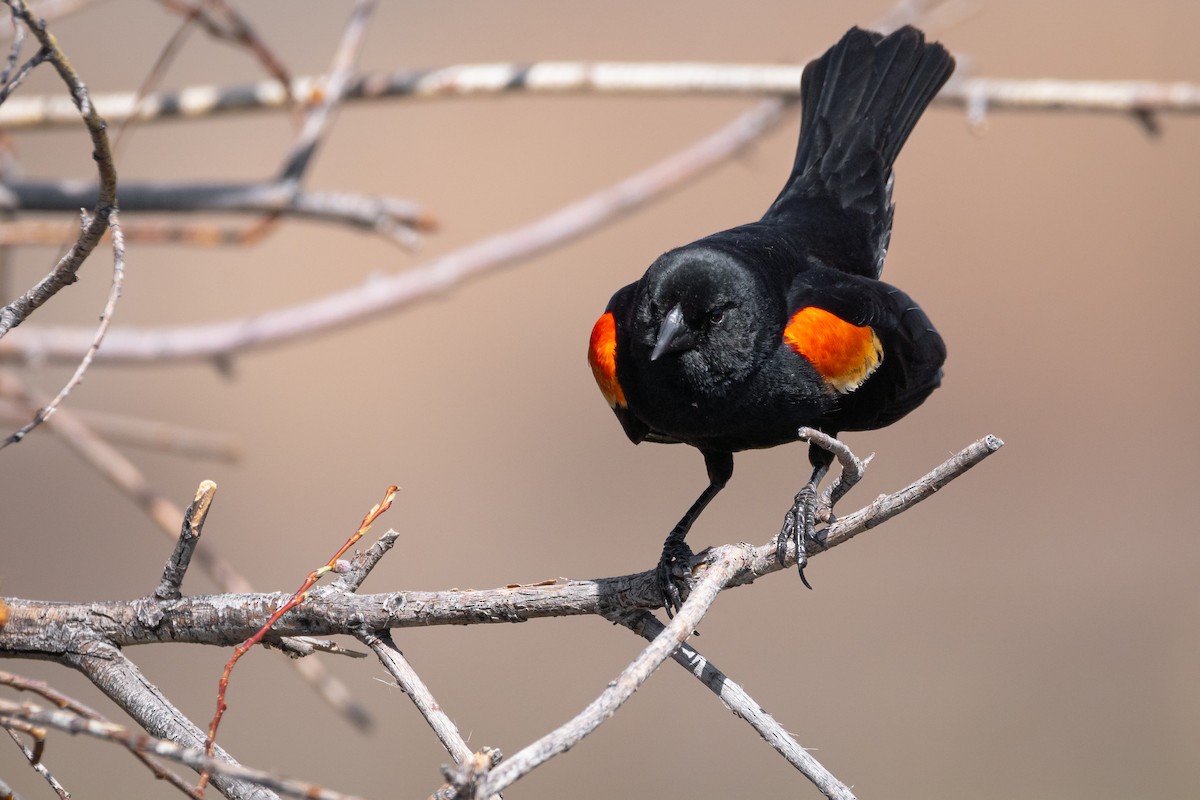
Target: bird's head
[(703, 314)]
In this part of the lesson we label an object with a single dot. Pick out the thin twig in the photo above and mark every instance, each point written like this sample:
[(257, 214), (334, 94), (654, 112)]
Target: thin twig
[(154, 435), (110, 307), (33, 755), (64, 272), (724, 565), (626, 78), (63, 701), (297, 597), (394, 217), (381, 295), (340, 72), (735, 698), (189, 756), (122, 682), (126, 476), (394, 661)]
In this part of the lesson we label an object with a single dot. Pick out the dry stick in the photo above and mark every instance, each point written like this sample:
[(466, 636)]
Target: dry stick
[(190, 756), (110, 307), (581, 77), (154, 435), (393, 660), (63, 701), (386, 294), (189, 537), (64, 272), (735, 698), (126, 476)]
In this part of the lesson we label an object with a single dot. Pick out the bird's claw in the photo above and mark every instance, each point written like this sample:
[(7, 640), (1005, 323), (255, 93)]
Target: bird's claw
[(798, 527), (674, 574)]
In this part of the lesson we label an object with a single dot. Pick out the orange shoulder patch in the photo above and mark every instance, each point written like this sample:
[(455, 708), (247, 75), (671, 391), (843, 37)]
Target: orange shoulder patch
[(602, 355), (844, 354)]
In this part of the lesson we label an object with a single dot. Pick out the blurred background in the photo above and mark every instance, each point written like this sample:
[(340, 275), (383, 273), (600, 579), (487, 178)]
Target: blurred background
[(1031, 631)]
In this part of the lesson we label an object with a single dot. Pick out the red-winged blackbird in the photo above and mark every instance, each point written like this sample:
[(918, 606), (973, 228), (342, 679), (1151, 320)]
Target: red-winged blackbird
[(739, 339)]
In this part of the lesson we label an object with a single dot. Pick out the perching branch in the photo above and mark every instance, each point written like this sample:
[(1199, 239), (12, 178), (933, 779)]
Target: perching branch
[(230, 618)]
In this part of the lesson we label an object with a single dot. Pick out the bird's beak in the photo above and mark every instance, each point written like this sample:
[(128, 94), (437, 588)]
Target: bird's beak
[(673, 335)]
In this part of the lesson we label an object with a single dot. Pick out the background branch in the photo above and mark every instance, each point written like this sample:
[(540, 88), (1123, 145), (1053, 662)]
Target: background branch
[(582, 77)]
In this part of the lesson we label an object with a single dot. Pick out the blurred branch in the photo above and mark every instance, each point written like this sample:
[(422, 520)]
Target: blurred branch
[(257, 784), (110, 306), (121, 681), (391, 216), (626, 78), (64, 272), (130, 480), (134, 432), (72, 705), (380, 295)]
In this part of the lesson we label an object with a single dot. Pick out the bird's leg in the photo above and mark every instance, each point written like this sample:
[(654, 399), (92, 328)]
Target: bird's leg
[(800, 521), (674, 568)]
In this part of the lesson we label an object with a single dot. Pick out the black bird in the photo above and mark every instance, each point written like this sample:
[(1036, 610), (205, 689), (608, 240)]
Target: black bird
[(737, 340)]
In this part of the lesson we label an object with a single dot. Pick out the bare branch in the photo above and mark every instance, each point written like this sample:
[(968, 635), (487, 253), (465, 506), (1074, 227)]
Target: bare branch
[(122, 682), (64, 272), (393, 217), (719, 569), (382, 295), (334, 89), (110, 307), (126, 476), (406, 678), (190, 756), (628, 78), (189, 537), (144, 433), (71, 704), (229, 619), (33, 754), (735, 698)]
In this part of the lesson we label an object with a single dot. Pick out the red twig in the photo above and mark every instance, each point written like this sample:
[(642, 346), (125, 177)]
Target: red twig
[(298, 597)]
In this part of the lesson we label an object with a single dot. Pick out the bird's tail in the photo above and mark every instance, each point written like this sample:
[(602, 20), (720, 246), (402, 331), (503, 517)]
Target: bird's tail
[(860, 101)]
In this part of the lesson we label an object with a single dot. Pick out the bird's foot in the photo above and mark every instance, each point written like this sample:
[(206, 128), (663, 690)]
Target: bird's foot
[(674, 574), (798, 527)]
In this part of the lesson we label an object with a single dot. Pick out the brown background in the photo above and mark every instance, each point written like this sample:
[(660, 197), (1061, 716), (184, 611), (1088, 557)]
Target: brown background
[(1030, 632)]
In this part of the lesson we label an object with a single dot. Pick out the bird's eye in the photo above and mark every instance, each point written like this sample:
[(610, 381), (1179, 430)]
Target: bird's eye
[(716, 316)]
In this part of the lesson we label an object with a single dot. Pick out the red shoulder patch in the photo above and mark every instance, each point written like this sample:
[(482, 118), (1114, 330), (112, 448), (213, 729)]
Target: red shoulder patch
[(602, 355), (843, 353)]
